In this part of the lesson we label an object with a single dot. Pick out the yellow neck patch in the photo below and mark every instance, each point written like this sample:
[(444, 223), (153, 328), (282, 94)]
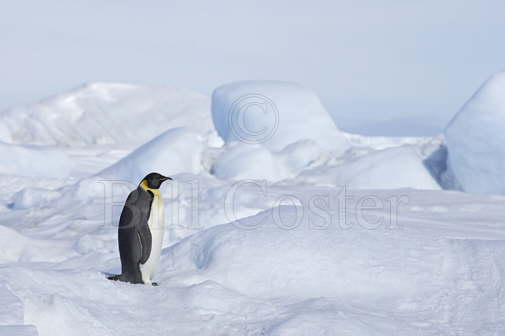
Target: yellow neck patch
[(144, 186)]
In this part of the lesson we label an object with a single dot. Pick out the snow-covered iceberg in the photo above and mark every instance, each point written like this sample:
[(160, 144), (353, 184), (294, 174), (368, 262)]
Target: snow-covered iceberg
[(476, 140), (273, 114), (272, 130)]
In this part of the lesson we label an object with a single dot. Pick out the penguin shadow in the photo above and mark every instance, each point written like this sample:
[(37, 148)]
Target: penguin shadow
[(115, 277)]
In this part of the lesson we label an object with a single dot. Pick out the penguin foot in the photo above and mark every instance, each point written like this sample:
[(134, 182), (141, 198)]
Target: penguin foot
[(123, 278), (155, 284)]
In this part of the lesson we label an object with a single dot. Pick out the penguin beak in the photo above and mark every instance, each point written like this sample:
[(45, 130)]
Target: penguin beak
[(164, 178)]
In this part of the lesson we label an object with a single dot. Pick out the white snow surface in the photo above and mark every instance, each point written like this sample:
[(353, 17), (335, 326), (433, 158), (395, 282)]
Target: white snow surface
[(475, 139), (273, 114), (19, 160), (105, 113), (298, 240), (240, 161), (397, 167), (175, 151)]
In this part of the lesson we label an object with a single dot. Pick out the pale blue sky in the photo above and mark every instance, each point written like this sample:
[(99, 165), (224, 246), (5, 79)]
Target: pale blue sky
[(382, 67)]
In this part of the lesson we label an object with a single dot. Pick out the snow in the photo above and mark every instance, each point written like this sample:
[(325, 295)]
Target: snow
[(12, 309), (428, 271), (19, 330), (273, 114), (299, 239), (392, 168), (105, 113), (429, 274), (19, 159), (240, 161), (175, 151), (308, 262), (475, 139), (33, 198)]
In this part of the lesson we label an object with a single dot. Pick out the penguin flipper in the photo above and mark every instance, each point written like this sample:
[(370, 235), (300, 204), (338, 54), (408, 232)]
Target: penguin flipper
[(146, 242)]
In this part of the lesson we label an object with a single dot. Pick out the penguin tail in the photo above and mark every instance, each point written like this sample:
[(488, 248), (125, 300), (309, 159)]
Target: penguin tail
[(125, 278), (114, 277)]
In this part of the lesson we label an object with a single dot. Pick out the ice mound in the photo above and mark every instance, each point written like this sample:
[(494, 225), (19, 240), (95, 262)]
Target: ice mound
[(248, 162), (106, 113), (273, 114), (175, 151), (272, 130), (475, 140), (397, 167), (286, 252), (253, 161), (34, 161)]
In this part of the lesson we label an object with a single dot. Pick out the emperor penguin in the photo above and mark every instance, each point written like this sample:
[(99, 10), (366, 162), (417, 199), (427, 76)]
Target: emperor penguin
[(140, 231)]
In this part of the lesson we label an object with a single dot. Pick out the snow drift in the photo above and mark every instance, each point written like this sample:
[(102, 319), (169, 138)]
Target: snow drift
[(392, 168), (16, 247), (175, 151), (310, 261), (475, 140), (34, 161), (105, 113), (253, 161), (281, 254), (273, 114)]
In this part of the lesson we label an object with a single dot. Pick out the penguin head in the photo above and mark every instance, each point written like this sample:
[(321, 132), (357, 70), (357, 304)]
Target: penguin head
[(154, 180)]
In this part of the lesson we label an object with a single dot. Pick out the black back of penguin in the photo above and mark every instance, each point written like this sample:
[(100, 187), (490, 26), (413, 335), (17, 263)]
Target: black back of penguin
[(134, 236)]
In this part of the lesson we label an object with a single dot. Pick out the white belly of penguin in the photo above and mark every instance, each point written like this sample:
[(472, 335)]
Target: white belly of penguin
[(156, 224)]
